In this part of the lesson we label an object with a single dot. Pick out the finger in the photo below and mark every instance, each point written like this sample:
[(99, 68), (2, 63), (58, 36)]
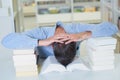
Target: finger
[(79, 39), (58, 41), (65, 39), (62, 38), (69, 41), (61, 35)]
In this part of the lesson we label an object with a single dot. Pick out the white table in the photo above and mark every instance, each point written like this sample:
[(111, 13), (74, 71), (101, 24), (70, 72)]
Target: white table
[(86, 75)]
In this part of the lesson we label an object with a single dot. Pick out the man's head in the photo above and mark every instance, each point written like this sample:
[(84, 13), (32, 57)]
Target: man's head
[(59, 30), (64, 53)]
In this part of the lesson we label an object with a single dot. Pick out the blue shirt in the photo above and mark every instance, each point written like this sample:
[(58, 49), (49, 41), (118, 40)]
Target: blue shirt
[(29, 39)]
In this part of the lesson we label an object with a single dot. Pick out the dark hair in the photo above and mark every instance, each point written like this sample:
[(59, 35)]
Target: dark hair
[(64, 53)]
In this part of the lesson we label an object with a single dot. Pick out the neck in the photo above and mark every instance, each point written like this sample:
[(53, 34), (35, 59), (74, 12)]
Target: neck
[(59, 30)]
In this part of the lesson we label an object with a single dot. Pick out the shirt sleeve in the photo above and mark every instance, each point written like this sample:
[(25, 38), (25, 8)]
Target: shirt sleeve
[(24, 40), (104, 29), (98, 30)]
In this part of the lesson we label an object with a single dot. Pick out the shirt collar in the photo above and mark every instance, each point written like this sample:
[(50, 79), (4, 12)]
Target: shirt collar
[(59, 23)]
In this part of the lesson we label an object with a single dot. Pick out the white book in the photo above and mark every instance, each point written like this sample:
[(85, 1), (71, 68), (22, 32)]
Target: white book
[(103, 67), (23, 52), (96, 63), (52, 65), (100, 41), (103, 47), (20, 60), (102, 59), (100, 52), (99, 57), (26, 73), (25, 68), (101, 63), (86, 61)]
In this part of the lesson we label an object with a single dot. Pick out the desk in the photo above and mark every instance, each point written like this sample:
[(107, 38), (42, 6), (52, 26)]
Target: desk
[(86, 75)]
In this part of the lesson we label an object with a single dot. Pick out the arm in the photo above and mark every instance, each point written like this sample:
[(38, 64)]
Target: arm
[(98, 30), (56, 38), (84, 31), (24, 40), (79, 36), (104, 29)]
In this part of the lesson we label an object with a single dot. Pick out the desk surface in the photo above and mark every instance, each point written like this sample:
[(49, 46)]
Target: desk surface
[(86, 75)]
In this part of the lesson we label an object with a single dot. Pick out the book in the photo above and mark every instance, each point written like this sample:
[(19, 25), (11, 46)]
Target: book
[(96, 53), (26, 68), (98, 56), (23, 52), (102, 41), (102, 47), (97, 66), (52, 65), (102, 63), (105, 67), (21, 60)]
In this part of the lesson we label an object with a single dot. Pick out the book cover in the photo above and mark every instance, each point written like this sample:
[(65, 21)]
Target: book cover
[(52, 65)]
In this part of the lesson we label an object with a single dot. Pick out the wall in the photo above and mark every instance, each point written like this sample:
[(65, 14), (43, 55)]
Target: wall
[(6, 26)]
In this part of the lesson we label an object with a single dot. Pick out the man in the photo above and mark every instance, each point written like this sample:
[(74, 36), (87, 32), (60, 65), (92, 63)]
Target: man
[(44, 37), (60, 36)]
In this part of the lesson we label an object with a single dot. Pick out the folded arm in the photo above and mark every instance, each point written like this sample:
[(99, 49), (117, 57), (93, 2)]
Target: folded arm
[(79, 36), (24, 40), (84, 31)]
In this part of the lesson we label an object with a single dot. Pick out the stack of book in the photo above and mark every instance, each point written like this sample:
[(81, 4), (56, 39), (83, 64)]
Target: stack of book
[(25, 62), (100, 53)]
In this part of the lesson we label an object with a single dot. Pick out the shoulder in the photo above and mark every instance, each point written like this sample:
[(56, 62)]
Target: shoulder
[(107, 24)]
